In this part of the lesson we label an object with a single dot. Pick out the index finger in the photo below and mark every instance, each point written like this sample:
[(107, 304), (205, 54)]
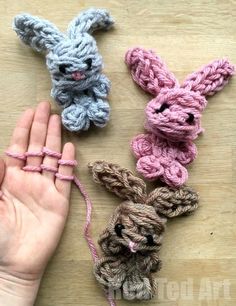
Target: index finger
[(20, 138)]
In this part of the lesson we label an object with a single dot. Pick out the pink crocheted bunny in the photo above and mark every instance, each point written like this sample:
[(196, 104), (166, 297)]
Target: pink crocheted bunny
[(173, 116)]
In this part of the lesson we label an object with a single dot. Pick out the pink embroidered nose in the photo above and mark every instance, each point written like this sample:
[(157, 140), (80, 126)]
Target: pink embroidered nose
[(78, 76), (132, 247)]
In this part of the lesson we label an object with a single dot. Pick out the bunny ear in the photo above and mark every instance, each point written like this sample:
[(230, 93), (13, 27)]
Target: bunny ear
[(149, 71), (38, 33), (119, 180), (172, 202), (90, 21), (210, 78)]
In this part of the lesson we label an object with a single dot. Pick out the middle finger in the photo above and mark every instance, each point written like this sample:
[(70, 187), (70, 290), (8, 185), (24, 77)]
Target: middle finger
[(53, 144), (38, 135)]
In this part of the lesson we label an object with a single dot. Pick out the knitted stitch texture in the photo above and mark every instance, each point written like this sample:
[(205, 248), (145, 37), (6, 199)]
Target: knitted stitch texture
[(133, 237), (74, 63), (173, 116)]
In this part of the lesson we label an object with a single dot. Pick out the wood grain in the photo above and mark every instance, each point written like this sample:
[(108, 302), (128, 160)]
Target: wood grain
[(187, 34)]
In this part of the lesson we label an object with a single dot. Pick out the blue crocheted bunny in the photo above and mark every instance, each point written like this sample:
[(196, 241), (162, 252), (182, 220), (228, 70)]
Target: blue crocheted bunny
[(74, 63)]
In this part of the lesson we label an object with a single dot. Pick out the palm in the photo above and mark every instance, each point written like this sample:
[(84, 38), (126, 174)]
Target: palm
[(33, 212)]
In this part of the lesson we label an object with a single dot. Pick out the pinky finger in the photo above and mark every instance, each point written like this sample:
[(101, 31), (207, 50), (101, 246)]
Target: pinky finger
[(64, 185)]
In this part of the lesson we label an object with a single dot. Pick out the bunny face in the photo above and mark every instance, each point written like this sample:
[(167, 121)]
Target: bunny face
[(175, 114), (133, 228), (75, 60)]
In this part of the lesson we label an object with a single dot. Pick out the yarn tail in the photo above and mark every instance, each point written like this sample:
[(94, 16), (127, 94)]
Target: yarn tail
[(89, 240), (89, 207)]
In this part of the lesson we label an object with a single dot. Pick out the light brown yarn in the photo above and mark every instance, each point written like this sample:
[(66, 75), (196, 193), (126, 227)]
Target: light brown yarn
[(173, 202), (119, 180), (132, 239)]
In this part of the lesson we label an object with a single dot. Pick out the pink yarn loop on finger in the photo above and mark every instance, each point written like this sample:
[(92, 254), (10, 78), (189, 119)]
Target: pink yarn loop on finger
[(51, 153), (16, 155), (49, 168), (34, 154), (32, 168), (65, 177), (65, 162)]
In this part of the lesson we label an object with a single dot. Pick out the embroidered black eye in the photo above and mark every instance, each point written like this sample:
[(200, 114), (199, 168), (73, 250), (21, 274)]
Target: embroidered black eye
[(62, 68), (88, 62), (162, 108), (190, 118), (118, 229), (150, 240)]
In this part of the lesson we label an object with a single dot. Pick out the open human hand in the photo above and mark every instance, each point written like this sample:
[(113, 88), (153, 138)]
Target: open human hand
[(33, 205)]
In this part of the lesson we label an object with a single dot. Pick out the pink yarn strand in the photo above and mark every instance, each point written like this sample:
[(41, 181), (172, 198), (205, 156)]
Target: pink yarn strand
[(89, 240), (111, 301), (89, 206)]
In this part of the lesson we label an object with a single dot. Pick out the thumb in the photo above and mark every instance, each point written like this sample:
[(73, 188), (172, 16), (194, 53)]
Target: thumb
[(2, 170)]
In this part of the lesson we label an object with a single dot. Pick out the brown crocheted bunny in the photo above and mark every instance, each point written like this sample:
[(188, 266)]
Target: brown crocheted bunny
[(132, 239)]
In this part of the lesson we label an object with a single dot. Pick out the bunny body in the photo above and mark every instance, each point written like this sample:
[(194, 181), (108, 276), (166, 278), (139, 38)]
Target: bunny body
[(74, 64), (173, 116), (159, 157), (133, 237)]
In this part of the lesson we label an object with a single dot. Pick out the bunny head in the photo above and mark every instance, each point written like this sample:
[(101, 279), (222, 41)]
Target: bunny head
[(132, 220), (75, 61), (175, 112), (70, 58), (133, 228), (138, 223)]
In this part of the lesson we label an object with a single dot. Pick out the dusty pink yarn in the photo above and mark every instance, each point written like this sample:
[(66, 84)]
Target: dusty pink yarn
[(173, 116)]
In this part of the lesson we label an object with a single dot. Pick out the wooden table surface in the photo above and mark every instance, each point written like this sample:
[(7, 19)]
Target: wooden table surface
[(187, 34)]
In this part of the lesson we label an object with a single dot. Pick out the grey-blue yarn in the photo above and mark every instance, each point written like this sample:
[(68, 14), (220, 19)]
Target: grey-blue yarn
[(74, 63)]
